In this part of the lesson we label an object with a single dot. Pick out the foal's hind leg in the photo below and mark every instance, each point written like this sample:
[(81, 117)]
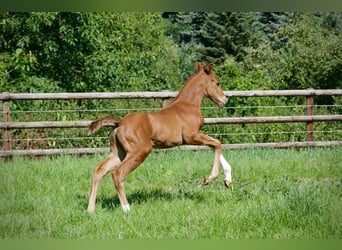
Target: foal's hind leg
[(99, 172), (131, 162), (112, 161)]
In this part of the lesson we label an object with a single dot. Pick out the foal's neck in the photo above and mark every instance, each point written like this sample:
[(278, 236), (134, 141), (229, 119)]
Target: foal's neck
[(192, 92)]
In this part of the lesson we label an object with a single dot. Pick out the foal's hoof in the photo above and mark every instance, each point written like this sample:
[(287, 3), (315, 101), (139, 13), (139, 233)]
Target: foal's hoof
[(205, 181), (227, 183), (91, 209)]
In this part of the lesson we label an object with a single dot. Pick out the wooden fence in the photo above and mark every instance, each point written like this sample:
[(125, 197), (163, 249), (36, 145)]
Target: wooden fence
[(6, 125)]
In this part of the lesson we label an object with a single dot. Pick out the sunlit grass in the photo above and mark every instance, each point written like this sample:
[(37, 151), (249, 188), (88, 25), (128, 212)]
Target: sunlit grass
[(275, 194)]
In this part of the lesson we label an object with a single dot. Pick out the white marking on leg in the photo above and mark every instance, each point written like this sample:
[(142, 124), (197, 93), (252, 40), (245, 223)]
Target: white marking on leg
[(126, 208), (227, 169)]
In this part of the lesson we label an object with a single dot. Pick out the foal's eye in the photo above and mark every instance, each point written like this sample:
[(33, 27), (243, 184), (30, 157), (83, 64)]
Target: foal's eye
[(218, 84)]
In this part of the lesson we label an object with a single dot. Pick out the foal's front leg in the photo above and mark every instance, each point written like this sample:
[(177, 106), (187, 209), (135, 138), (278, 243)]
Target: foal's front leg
[(203, 139), (227, 171)]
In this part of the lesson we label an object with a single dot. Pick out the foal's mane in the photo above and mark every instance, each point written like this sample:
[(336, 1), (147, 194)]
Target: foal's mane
[(185, 85), (206, 68)]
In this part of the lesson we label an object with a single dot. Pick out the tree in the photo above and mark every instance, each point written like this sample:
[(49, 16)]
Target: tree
[(216, 34), (310, 58), (44, 45), (314, 54), (229, 34), (86, 52), (269, 24)]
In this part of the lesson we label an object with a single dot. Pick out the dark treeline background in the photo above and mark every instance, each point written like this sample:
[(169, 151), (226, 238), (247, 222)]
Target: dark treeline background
[(144, 51)]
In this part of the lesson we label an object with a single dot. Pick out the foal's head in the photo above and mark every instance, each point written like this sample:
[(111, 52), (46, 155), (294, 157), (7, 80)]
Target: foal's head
[(212, 85)]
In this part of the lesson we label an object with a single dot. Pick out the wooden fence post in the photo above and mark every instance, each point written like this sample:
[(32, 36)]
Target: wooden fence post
[(6, 134), (309, 112)]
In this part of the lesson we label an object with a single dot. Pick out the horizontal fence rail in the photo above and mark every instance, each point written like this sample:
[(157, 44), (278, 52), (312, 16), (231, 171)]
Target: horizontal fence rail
[(235, 120), (163, 94), (7, 125), (80, 151)]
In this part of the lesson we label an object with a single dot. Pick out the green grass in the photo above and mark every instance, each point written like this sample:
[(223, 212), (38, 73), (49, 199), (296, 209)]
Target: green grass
[(279, 194)]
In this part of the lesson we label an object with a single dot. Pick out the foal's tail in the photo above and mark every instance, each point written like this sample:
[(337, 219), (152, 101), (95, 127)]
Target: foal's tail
[(96, 125)]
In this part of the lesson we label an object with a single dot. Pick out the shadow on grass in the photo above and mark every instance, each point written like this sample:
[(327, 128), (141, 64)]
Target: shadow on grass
[(143, 196)]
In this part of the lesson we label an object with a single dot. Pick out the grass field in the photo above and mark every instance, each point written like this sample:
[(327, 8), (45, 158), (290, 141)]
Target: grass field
[(278, 194)]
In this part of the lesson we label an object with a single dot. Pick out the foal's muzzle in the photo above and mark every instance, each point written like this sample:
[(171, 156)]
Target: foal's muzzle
[(222, 102)]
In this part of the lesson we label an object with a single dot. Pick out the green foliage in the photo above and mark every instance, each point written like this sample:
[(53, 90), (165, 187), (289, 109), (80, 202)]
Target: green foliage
[(137, 51), (284, 50), (88, 51), (314, 55), (215, 35), (270, 23), (311, 57), (133, 51)]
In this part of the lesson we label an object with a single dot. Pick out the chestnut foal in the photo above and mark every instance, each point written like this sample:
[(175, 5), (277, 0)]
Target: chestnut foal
[(177, 123)]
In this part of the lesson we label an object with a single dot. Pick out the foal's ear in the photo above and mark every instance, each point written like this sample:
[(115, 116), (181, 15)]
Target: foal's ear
[(198, 66), (207, 67)]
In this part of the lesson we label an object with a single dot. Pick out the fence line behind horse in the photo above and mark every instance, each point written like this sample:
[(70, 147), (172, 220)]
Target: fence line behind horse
[(59, 129)]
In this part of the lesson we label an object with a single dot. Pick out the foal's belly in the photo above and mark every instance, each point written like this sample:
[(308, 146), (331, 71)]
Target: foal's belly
[(166, 139), (164, 144), (166, 130)]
